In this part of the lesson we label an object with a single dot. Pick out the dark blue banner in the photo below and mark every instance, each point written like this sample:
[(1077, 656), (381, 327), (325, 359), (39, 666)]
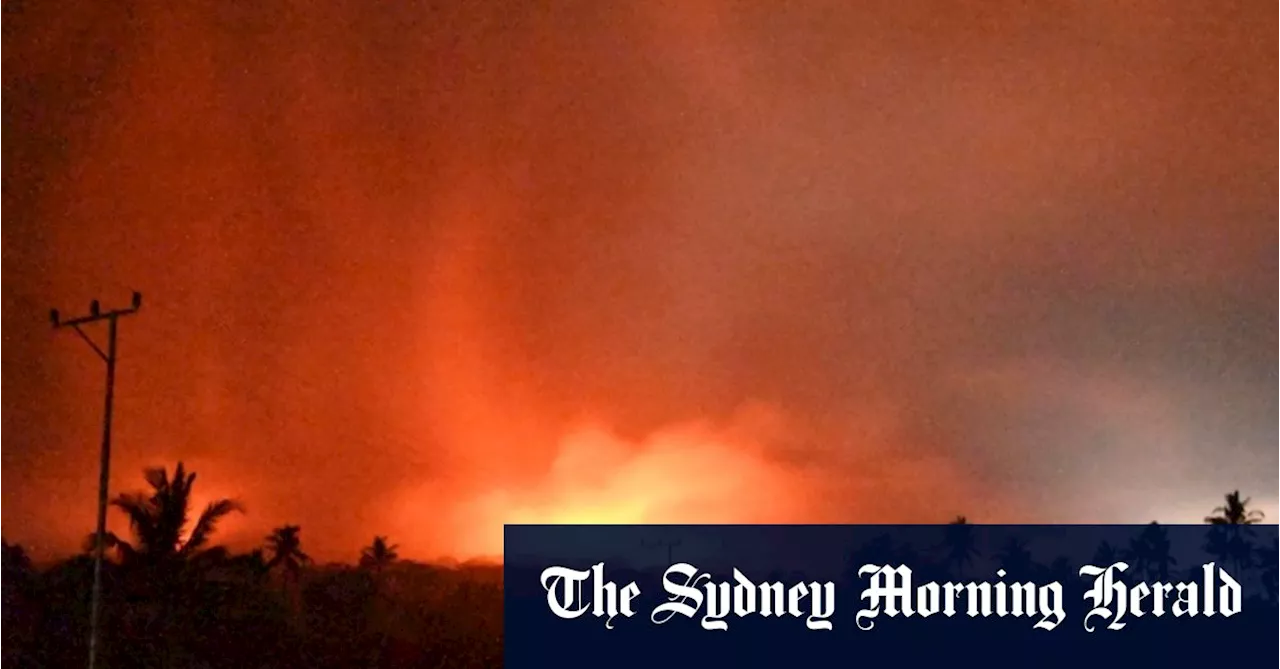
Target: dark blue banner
[(815, 595)]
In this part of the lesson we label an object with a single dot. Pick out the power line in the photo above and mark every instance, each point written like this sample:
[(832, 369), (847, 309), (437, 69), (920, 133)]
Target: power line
[(108, 356)]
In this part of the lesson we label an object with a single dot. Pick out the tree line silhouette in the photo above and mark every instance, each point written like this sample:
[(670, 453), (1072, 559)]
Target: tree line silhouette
[(1150, 555), (172, 598)]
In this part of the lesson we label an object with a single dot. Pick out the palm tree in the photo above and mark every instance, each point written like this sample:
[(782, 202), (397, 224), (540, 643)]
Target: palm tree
[(1270, 572), (1150, 552), (378, 555), (959, 544), (286, 550), (1227, 545), (159, 519), (1235, 512), (285, 547), (1226, 540), (164, 545), (1218, 544)]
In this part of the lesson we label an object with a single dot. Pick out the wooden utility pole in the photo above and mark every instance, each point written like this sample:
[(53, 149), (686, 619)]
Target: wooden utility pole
[(104, 467)]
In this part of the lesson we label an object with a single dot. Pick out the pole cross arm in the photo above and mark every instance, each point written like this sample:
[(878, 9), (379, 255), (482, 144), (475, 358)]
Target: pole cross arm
[(114, 313), (96, 314)]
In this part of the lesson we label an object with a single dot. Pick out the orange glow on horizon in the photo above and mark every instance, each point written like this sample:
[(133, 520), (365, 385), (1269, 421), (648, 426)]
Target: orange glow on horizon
[(687, 474), (690, 473)]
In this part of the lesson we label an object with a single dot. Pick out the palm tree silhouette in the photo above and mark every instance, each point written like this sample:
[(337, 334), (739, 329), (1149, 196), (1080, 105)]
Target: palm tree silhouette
[(286, 550), (1269, 558), (1235, 512), (1227, 545), (285, 547), (378, 555), (1226, 541), (1217, 544), (163, 548), (159, 519), (1150, 552), (959, 544)]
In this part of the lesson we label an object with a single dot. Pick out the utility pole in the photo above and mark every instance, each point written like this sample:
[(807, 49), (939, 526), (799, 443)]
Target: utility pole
[(669, 544), (109, 357)]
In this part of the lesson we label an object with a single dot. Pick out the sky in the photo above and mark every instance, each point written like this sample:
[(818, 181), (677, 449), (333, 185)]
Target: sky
[(422, 269)]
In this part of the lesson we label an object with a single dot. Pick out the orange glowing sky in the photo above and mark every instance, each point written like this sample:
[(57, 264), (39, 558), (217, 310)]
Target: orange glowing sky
[(419, 270)]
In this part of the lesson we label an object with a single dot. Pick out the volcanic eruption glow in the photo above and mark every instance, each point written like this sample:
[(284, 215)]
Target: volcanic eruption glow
[(424, 269), (685, 474)]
